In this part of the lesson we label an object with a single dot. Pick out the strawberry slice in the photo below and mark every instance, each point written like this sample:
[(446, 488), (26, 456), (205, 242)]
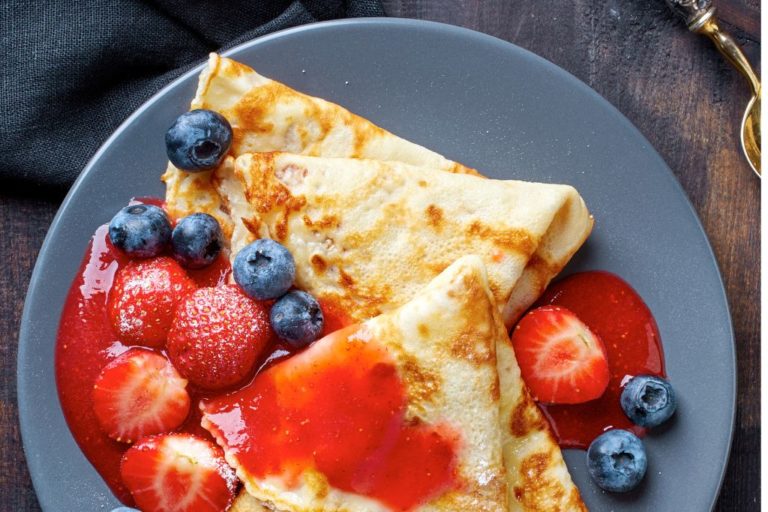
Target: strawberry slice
[(138, 394), (562, 361), (178, 473)]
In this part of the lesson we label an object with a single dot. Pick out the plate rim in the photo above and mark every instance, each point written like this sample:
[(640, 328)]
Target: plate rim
[(22, 357)]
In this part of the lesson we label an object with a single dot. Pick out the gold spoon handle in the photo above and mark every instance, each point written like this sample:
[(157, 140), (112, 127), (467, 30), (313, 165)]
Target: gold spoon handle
[(699, 15), (730, 51)]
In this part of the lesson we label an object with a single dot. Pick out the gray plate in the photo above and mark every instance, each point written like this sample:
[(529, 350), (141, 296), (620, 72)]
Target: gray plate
[(490, 105)]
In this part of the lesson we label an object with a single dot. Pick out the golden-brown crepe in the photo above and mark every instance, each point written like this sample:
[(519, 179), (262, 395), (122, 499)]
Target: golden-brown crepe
[(353, 224), (368, 235), (442, 344), (268, 116)]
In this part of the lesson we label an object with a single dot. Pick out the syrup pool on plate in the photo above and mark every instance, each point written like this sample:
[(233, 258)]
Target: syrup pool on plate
[(86, 343), (617, 314)]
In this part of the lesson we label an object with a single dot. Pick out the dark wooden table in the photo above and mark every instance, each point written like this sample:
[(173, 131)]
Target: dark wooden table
[(671, 84)]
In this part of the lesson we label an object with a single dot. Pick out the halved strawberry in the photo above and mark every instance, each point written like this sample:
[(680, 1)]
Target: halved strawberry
[(178, 473), (562, 361), (138, 394), (144, 297)]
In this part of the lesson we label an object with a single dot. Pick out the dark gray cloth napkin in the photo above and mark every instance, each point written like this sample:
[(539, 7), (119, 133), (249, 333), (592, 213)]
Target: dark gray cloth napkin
[(73, 70)]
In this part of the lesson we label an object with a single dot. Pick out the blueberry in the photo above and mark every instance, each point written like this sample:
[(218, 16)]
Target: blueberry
[(198, 140), (648, 401), (297, 318), (141, 230), (616, 461), (196, 240), (264, 269)]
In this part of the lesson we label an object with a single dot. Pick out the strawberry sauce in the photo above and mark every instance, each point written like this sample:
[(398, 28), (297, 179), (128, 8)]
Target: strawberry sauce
[(86, 343), (617, 314), (84, 346), (338, 408)]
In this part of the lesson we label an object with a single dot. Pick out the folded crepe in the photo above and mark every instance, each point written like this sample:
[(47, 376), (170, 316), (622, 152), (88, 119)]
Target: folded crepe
[(268, 116), (440, 347), (367, 236)]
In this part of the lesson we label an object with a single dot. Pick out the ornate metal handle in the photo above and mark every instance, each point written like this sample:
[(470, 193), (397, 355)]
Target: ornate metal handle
[(699, 15), (693, 12)]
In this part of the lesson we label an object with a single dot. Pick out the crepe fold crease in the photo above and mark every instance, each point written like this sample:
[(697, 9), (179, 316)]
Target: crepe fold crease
[(372, 218)]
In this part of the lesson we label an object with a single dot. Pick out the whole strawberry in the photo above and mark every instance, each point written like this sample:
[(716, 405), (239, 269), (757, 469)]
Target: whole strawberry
[(217, 335), (144, 297)]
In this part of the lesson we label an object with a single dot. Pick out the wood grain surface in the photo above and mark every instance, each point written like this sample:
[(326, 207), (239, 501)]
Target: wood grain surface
[(671, 84)]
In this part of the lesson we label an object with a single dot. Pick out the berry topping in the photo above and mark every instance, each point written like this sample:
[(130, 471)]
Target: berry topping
[(138, 394), (561, 360), (216, 336), (297, 318), (264, 269), (648, 401), (144, 297), (196, 240), (616, 461), (178, 473), (140, 230), (198, 140)]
